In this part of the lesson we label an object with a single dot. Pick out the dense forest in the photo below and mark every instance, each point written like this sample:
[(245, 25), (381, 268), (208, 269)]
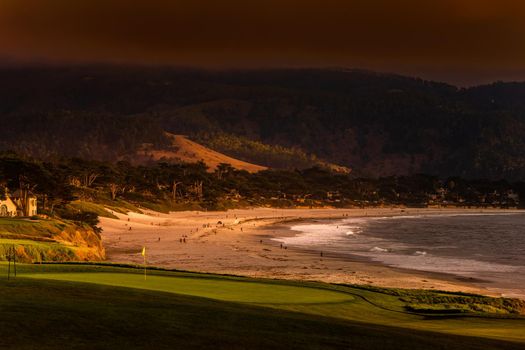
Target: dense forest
[(376, 124)]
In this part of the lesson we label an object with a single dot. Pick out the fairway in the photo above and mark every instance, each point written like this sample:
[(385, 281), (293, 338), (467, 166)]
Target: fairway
[(213, 288), (116, 305)]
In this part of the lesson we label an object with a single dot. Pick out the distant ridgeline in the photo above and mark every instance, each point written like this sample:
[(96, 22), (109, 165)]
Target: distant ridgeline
[(375, 124)]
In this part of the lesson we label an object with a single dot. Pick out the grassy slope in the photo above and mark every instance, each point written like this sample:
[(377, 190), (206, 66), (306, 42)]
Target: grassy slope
[(85, 206), (273, 156), (185, 150), (17, 227), (183, 310), (46, 240), (35, 236)]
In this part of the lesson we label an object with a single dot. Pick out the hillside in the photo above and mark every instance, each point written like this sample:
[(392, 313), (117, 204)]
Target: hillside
[(182, 149), (376, 124)]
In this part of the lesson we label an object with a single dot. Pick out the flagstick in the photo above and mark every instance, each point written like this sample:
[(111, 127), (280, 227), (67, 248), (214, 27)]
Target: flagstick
[(14, 259), (9, 266), (144, 255)]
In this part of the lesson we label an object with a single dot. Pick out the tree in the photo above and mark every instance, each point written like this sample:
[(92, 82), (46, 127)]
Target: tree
[(114, 188), (174, 190), (222, 170)]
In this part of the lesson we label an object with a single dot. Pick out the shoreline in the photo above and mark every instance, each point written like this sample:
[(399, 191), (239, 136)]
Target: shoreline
[(488, 286), (238, 242)]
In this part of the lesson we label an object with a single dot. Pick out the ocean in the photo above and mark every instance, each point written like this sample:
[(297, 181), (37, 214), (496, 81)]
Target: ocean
[(486, 248)]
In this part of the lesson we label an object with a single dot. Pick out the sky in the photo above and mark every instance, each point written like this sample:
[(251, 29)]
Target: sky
[(463, 42)]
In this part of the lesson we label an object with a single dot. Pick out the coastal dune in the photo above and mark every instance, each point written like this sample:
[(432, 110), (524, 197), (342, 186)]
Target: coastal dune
[(239, 242)]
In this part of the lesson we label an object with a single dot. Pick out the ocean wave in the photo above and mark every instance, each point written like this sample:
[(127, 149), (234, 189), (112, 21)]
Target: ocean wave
[(379, 249), (459, 266)]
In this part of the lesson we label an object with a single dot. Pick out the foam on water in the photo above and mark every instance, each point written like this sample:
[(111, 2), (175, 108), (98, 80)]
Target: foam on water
[(426, 262), (484, 246), (378, 249)]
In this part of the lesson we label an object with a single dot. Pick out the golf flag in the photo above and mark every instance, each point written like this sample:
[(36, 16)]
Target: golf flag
[(144, 255)]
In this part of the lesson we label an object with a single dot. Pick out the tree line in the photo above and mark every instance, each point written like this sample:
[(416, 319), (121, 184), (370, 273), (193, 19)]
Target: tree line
[(165, 186)]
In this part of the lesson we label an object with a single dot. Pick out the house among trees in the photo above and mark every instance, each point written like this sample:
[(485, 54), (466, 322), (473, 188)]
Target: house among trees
[(20, 203)]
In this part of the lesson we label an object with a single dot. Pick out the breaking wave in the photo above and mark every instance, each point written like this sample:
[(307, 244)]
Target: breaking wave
[(378, 249)]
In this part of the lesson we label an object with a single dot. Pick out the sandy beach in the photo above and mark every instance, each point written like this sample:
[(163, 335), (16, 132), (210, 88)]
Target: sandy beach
[(238, 242)]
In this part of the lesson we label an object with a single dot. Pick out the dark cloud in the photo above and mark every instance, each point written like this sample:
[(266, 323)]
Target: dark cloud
[(457, 40)]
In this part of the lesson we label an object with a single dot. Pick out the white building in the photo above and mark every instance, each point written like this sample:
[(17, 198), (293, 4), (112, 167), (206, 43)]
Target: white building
[(21, 203)]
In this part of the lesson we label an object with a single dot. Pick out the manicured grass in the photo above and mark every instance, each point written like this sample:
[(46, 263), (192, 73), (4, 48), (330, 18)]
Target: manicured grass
[(219, 289), (90, 307), (35, 250)]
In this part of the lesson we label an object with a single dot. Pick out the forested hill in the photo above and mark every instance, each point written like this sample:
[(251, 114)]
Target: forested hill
[(377, 124)]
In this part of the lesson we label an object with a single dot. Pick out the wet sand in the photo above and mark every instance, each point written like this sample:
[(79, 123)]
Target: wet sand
[(238, 242)]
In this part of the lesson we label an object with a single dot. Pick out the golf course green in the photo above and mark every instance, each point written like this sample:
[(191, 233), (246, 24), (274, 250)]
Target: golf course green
[(219, 289), (78, 306)]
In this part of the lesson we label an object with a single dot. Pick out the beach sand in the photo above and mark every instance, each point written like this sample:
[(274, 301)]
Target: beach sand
[(238, 242)]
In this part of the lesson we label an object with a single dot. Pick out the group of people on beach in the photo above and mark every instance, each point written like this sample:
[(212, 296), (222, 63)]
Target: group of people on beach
[(184, 237)]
